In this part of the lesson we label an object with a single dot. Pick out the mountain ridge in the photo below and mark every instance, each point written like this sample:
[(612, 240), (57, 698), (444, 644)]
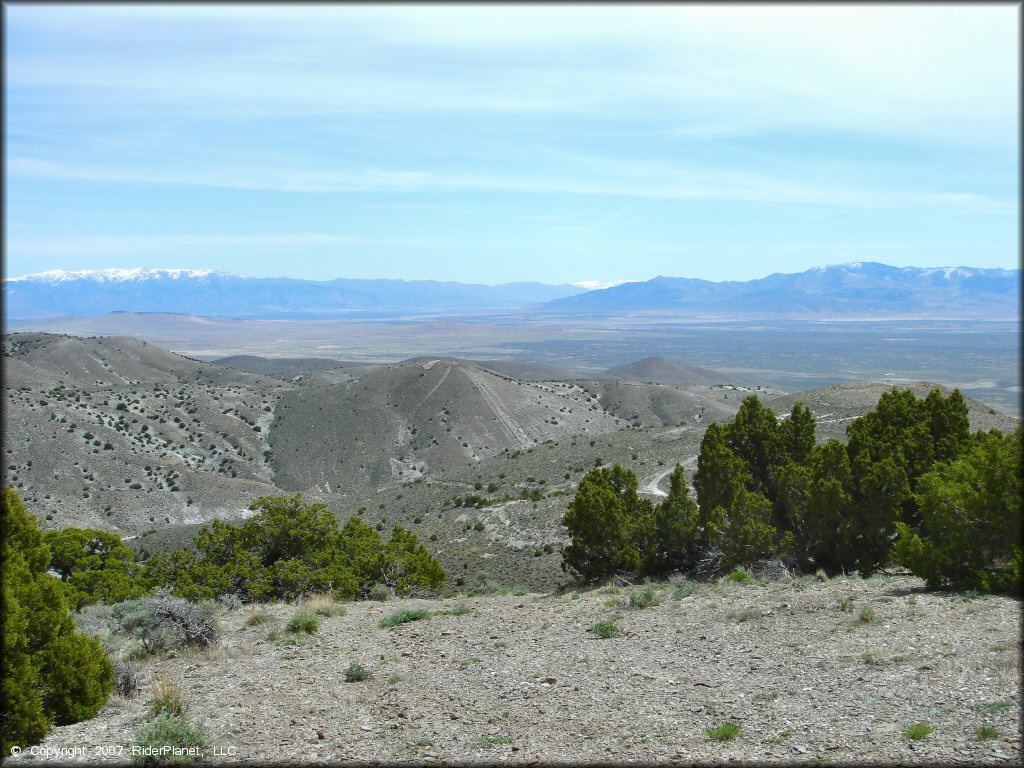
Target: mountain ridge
[(857, 290), (867, 290)]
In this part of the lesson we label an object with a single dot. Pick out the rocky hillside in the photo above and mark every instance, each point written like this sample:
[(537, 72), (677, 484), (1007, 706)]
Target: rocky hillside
[(796, 670), (410, 419), (120, 435)]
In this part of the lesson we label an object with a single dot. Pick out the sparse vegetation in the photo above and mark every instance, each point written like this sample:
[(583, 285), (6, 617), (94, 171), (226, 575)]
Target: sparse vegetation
[(918, 731), (258, 619), (168, 698), (303, 620), (355, 673), (606, 629), (644, 597), (724, 732), (404, 616), (173, 731), (325, 605)]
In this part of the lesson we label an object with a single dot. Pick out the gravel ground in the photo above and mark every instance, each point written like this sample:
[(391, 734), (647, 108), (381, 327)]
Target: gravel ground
[(523, 679)]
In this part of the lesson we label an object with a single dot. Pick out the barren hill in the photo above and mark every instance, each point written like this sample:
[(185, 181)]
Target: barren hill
[(406, 420), (527, 371), (45, 359), (662, 371)]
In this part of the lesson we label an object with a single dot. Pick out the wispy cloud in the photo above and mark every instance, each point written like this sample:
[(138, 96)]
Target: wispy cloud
[(620, 179), (570, 133)]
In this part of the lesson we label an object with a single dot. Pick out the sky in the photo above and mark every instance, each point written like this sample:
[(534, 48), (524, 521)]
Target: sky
[(491, 144)]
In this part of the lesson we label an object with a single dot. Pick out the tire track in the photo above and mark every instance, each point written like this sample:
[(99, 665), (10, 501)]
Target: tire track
[(514, 430)]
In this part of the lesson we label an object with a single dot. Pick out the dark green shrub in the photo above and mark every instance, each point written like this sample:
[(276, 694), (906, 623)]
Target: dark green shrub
[(606, 629), (971, 521), (606, 521), (95, 566), (52, 674), (290, 549), (356, 673)]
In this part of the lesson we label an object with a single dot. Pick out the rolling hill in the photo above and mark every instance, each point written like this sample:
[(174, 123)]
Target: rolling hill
[(403, 421), (121, 435)]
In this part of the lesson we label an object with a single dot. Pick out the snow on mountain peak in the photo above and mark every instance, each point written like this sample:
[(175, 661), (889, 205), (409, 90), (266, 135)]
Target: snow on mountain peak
[(115, 275)]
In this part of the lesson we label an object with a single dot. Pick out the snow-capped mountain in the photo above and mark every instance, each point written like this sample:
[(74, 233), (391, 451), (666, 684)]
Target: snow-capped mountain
[(210, 292), (848, 291), (115, 275)]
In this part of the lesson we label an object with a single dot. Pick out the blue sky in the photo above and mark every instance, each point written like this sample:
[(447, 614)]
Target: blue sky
[(499, 143)]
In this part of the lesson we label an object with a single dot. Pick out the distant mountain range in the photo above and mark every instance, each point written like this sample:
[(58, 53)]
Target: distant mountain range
[(208, 292), (861, 290)]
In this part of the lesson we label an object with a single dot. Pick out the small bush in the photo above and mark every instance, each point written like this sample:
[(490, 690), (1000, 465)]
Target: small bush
[(918, 731), (167, 698), (126, 678), (325, 605), (747, 614), (685, 589), (404, 616), (606, 629), (867, 615), (645, 597), (164, 622), (379, 593), (846, 603), (738, 575), (258, 619), (356, 673), (169, 731), (303, 620), (458, 610), (723, 732), (986, 732)]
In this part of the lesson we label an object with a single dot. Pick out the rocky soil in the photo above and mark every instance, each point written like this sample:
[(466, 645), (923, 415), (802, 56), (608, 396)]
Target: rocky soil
[(810, 671)]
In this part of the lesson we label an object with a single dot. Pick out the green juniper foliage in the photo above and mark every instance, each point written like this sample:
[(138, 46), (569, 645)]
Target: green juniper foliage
[(52, 674), (911, 472), (290, 549)]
